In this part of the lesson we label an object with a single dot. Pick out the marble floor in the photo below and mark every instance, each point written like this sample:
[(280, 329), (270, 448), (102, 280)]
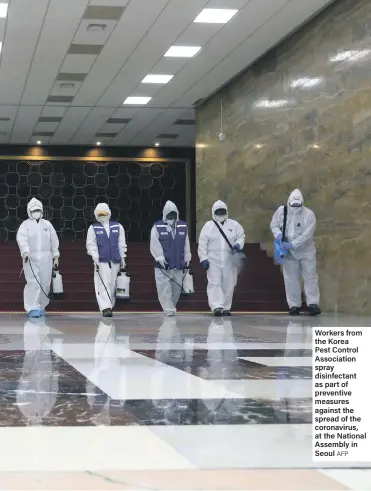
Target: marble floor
[(144, 402)]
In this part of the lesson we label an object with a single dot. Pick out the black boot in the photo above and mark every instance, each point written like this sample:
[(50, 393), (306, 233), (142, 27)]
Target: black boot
[(227, 313), (294, 311), (218, 312), (107, 313), (314, 310)]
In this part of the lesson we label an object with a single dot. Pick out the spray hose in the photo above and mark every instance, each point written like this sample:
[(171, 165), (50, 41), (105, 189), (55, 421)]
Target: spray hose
[(109, 296), (172, 279), (38, 282)]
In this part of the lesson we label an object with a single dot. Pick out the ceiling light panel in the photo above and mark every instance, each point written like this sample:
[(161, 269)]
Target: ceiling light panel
[(182, 51), (65, 88), (85, 49), (118, 120), (215, 16), (102, 12), (185, 122), (50, 119), (3, 10), (71, 77), (137, 101), (61, 99), (94, 33), (157, 79)]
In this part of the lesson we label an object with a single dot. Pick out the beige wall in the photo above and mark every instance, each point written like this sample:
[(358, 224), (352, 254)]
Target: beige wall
[(320, 142)]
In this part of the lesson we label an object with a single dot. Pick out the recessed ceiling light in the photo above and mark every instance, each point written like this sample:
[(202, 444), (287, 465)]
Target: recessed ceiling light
[(157, 144), (305, 82), (157, 79), (215, 16), (67, 85), (278, 103), (99, 143), (350, 55), (3, 10), (96, 27), (316, 146), (140, 101), (258, 146), (38, 142), (182, 51)]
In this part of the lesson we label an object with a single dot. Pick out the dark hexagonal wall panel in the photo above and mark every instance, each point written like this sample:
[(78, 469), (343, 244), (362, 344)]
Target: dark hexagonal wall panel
[(136, 193)]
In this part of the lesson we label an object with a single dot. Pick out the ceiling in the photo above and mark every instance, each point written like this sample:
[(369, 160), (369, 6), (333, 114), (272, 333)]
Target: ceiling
[(67, 66)]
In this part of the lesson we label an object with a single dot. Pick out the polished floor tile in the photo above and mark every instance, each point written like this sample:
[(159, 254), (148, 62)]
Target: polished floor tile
[(147, 402), (178, 480)]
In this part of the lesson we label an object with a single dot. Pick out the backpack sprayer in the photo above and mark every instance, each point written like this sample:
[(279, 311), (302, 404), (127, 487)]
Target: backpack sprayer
[(123, 285), (57, 283)]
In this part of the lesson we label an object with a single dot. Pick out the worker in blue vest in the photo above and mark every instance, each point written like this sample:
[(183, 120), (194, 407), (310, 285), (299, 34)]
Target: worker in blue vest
[(106, 244), (171, 251)]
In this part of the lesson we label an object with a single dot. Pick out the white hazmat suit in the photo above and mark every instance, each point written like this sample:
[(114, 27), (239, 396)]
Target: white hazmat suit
[(212, 247), (38, 384), (169, 281), (301, 259), (108, 271), (39, 246)]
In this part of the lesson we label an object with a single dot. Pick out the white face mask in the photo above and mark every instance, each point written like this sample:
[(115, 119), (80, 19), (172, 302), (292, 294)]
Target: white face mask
[(220, 218), (36, 215), (103, 218), (170, 222)]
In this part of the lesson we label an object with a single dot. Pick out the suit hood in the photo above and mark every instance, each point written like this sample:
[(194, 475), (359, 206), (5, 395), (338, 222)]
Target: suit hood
[(102, 207), (169, 206), (218, 204), (34, 204), (295, 197)]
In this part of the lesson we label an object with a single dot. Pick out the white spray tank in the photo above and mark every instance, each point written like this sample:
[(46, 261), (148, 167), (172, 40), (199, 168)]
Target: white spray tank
[(57, 283), (188, 288), (123, 285)]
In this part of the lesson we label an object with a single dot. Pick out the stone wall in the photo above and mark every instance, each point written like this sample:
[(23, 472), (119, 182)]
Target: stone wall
[(319, 140)]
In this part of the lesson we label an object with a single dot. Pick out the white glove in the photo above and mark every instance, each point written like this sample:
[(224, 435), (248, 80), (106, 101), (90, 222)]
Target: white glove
[(123, 263), (55, 262), (26, 256), (96, 259)]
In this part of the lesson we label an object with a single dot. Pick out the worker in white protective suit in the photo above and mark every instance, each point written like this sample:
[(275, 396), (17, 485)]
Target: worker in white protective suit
[(301, 258), (216, 257), (39, 246), (106, 244), (171, 250)]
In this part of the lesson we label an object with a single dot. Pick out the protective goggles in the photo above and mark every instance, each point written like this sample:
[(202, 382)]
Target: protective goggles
[(102, 214), (220, 211), (296, 205)]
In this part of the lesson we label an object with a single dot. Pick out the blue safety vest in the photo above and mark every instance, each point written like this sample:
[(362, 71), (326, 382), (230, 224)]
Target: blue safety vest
[(173, 247), (108, 247)]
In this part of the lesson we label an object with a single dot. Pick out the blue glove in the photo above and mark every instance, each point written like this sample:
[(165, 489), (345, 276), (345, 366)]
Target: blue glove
[(279, 237), (287, 245), (205, 264), (236, 248)]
